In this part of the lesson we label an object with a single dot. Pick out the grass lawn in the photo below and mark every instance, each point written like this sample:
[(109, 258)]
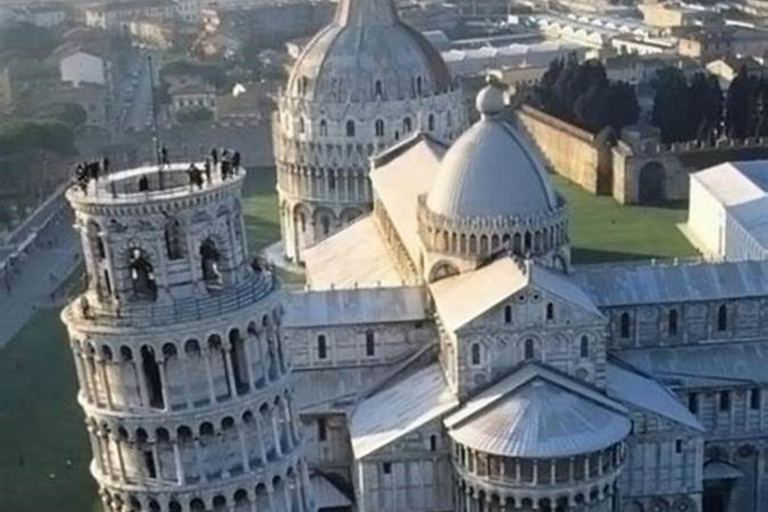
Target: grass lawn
[(41, 425), (603, 230)]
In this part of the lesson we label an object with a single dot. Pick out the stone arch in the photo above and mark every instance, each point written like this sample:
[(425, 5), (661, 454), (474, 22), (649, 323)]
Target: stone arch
[(324, 220), (152, 377), (650, 183), (174, 239), (210, 261), (238, 361), (349, 215), (442, 269), (141, 274), (301, 215)]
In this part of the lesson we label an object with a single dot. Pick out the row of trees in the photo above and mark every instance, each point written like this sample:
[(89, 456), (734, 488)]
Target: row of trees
[(697, 109), (582, 94)]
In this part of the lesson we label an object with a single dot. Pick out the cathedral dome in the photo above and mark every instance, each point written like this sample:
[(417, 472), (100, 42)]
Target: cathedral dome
[(490, 170), (366, 53)]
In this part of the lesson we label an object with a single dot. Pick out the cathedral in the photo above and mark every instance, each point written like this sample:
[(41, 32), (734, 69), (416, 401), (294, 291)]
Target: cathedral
[(448, 355)]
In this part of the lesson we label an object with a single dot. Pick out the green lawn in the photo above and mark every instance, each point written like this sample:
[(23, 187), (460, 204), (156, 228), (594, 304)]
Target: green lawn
[(41, 425), (603, 230)]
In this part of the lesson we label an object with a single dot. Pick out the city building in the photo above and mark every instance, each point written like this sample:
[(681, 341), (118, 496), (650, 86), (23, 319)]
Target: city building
[(449, 357), (77, 67), (714, 42), (677, 14), (193, 96), (726, 212), (112, 15), (726, 68), (179, 349), (364, 82)]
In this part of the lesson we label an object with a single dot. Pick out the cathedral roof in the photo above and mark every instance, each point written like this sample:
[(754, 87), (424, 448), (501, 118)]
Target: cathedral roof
[(399, 409), (538, 413), (491, 170), (716, 364), (634, 389), (461, 298), (355, 256), (365, 43), (354, 306), (646, 283)]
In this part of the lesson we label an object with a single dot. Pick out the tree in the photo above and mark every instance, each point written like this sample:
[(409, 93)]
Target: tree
[(672, 106), (740, 118), (195, 115), (71, 114), (18, 136), (621, 107)]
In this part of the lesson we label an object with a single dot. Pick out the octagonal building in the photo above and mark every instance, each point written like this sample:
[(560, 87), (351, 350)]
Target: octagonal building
[(363, 83)]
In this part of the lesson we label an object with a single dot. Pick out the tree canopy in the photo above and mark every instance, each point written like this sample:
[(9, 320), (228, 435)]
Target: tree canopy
[(685, 110), (583, 95), (18, 136)]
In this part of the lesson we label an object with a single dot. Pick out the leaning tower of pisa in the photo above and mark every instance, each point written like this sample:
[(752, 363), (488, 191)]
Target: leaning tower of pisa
[(177, 343)]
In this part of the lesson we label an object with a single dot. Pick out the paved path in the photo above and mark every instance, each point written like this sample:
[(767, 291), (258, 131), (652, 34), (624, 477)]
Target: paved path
[(37, 275)]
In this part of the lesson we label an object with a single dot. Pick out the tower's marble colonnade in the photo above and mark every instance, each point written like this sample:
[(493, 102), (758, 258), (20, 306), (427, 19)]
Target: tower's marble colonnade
[(177, 343)]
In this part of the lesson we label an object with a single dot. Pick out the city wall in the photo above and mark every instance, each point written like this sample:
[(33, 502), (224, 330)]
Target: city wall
[(572, 152)]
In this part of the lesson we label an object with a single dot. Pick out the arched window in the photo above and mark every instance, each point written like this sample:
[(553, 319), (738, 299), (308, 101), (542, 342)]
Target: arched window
[(379, 127), (209, 262), (624, 325), (142, 276), (350, 128), (672, 324), (301, 125), (323, 128), (507, 314), (433, 443), (174, 240), (152, 377), (331, 179), (94, 233), (448, 119), (322, 347), (527, 241), (431, 122), (322, 429), (418, 85), (326, 222), (303, 222), (550, 311), (584, 347), (370, 344), (529, 349), (377, 88), (722, 318), (407, 125), (475, 354)]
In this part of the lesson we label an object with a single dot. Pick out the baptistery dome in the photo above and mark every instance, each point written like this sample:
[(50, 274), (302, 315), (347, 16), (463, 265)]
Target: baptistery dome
[(365, 82), (368, 53)]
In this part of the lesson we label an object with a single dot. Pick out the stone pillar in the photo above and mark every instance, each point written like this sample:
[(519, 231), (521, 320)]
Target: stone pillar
[(81, 374), (96, 449), (184, 362), (209, 374), (227, 352), (180, 477), (248, 362), (243, 449), (260, 435), (121, 460), (142, 382), (164, 385), (275, 430), (198, 460)]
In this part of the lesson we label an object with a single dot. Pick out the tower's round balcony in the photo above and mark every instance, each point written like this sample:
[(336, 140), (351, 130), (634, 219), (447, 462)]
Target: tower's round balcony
[(151, 183)]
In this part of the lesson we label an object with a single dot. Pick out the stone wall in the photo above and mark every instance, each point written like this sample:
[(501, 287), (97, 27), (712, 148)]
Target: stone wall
[(570, 151)]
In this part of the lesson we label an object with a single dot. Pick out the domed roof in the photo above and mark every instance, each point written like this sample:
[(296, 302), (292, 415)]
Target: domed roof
[(367, 42), (542, 420), (490, 170)]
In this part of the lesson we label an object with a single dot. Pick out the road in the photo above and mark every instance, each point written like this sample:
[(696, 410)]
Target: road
[(140, 111), (38, 274)]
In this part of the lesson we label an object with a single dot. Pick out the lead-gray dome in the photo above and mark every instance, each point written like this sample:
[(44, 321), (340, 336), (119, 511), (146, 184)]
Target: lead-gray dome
[(365, 53), (491, 171)]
